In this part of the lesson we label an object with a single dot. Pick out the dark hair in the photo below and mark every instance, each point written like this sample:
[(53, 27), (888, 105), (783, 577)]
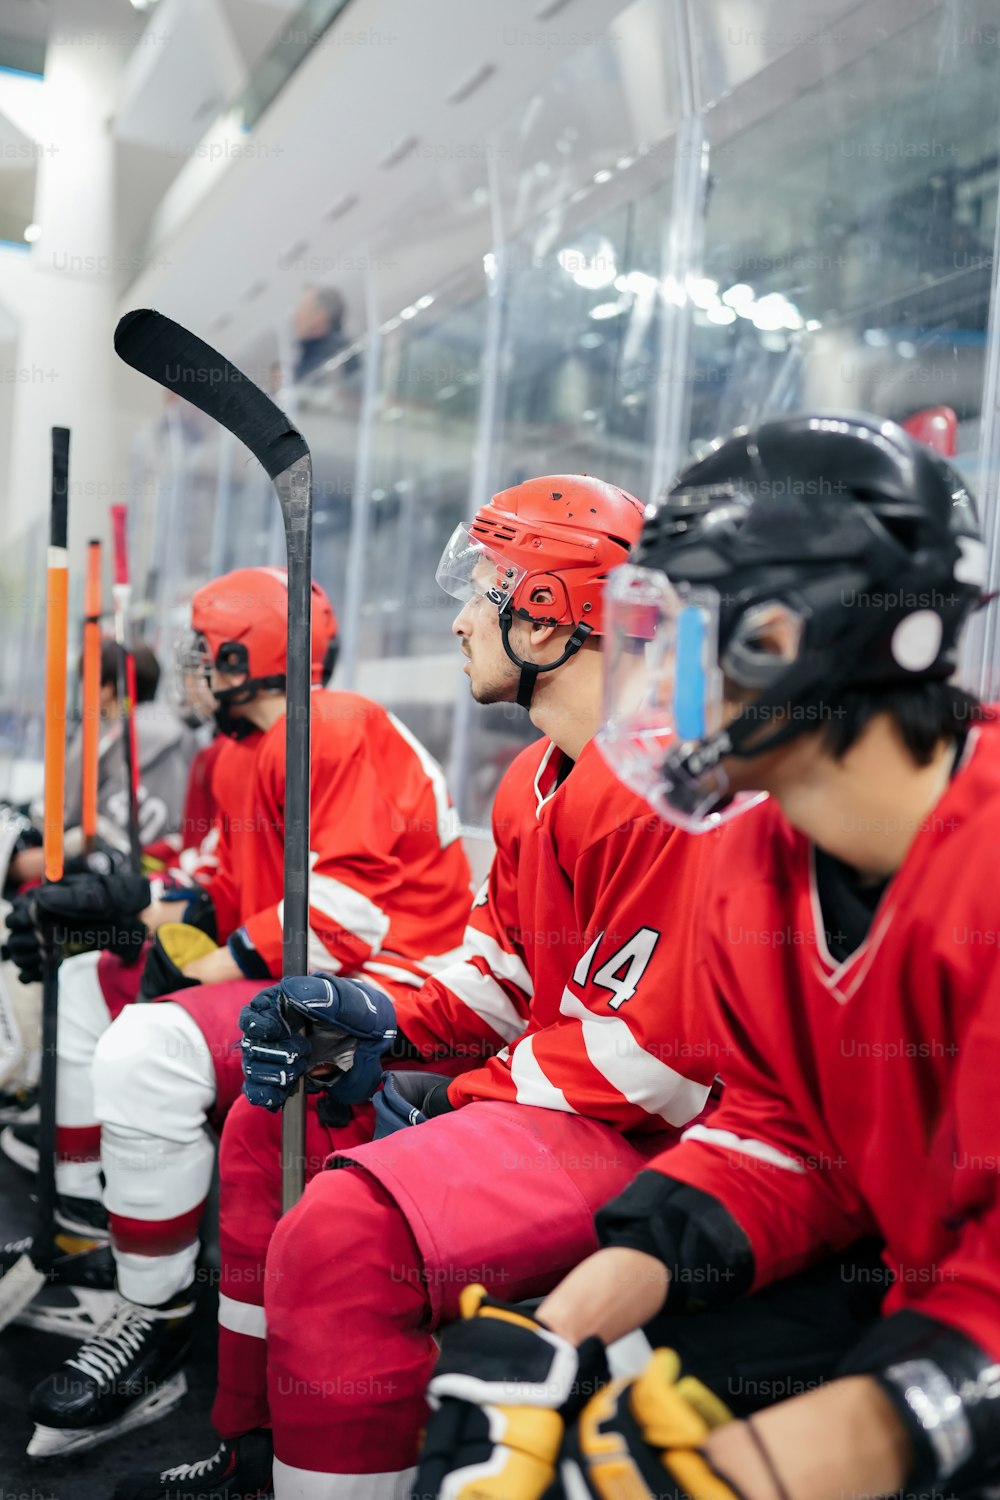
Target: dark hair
[(147, 669), (924, 714)]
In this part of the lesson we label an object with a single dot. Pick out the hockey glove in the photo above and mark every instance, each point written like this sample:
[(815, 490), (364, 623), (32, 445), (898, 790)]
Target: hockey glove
[(502, 1393), (642, 1439), (175, 944), (350, 1026), (83, 913), (102, 859), (409, 1099)]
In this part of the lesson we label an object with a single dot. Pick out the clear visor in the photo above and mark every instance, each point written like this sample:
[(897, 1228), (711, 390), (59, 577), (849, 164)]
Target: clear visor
[(469, 569), (663, 689), (192, 679)]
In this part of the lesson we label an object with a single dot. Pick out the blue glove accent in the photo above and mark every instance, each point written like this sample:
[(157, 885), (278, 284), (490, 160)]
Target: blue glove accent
[(350, 1026), (393, 1111), (409, 1099)]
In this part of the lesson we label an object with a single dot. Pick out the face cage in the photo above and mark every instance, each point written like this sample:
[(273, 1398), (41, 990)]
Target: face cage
[(662, 730), (193, 664), (470, 569)]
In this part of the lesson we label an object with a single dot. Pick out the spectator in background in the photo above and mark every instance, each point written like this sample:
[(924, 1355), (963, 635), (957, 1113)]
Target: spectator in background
[(166, 747), (318, 325)]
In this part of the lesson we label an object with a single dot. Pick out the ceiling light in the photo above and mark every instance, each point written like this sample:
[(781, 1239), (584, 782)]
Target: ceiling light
[(703, 291), (639, 283), (593, 271), (740, 296), (719, 314), (608, 310)]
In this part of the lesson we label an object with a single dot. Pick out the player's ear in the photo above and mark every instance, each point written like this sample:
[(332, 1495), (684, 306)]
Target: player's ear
[(778, 633), (541, 598)]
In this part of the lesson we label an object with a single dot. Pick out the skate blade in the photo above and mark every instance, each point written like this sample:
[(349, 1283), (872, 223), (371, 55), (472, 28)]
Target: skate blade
[(79, 1322), (53, 1442), (20, 1286)]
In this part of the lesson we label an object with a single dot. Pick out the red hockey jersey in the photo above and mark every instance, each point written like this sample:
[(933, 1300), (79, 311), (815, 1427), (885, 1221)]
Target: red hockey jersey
[(861, 1097), (389, 884), (578, 958), (182, 851)]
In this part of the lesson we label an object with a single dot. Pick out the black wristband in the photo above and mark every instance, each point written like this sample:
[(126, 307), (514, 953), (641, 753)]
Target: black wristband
[(249, 960), (694, 1235), (436, 1101), (946, 1392)]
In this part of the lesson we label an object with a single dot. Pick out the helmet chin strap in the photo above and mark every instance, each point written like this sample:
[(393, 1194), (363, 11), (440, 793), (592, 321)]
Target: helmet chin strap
[(530, 670), (230, 724)]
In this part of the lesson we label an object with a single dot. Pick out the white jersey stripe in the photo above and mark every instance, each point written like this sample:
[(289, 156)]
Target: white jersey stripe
[(242, 1317), (531, 1082), (726, 1140), (503, 964), (311, 1484), (639, 1076), (349, 909), (318, 955), (481, 993), (447, 818)]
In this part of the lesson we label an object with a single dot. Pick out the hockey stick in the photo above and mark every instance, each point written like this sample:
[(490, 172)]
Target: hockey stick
[(169, 354), (28, 1274), (122, 592), (91, 693)]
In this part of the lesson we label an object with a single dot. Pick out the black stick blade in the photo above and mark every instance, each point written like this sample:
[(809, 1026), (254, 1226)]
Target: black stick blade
[(160, 348), (60, 487)]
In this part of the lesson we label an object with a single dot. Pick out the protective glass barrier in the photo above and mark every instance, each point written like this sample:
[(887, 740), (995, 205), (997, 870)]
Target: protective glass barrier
[(423, 438), (581, 347), (848, 242)]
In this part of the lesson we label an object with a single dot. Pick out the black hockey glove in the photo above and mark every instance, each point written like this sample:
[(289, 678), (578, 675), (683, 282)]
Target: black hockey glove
[(409, 1099), (503, 1392), (83, 913), (103, 859)]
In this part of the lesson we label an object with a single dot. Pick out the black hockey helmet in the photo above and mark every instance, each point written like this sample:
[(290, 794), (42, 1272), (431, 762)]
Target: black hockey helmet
[(862, 539), (865, 532)]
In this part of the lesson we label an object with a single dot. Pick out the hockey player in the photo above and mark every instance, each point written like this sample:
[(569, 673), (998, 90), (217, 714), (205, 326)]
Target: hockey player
[(568, 1010), (165, 749), (820, 572), (388, 896)]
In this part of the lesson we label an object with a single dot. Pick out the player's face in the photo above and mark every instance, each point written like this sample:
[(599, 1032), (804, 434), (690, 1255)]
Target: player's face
[(198, 697), (492, 676)]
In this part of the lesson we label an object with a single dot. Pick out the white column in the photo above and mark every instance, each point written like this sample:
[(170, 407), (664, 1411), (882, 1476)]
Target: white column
[(63, 292)]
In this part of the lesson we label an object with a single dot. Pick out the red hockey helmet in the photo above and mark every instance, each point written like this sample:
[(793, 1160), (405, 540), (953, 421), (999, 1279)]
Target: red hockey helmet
[(241, 624), (542, 551), (243, 616)]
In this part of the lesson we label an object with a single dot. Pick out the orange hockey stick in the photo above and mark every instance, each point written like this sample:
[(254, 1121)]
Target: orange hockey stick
[(56, 645), (28, 1274)]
